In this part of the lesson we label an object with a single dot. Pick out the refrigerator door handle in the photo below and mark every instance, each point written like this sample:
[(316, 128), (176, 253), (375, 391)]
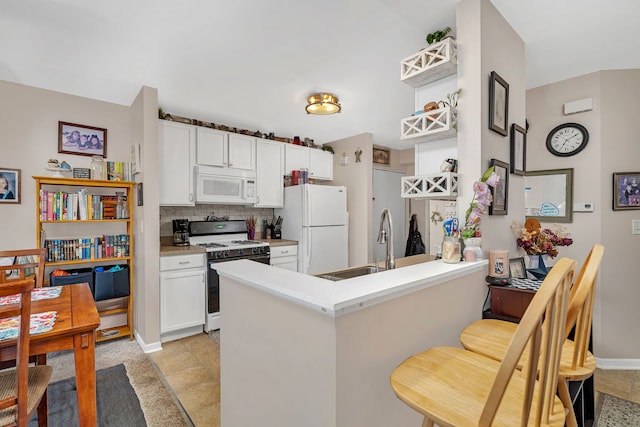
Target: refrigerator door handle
[(308, 241)]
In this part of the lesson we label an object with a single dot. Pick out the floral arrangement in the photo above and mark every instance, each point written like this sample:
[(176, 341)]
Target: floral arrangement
[(536, 240), (479, 204)]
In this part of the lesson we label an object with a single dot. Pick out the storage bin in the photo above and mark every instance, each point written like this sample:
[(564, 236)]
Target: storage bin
[(76, 275), (111, 284)]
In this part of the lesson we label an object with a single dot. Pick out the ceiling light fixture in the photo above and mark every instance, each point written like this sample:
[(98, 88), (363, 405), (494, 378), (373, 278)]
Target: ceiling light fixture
[(323, 103)]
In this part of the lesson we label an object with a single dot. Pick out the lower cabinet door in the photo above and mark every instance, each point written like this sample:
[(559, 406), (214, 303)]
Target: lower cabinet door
[(182, 300)]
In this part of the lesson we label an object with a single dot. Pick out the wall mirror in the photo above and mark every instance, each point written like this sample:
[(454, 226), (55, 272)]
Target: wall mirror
[(549, 195)]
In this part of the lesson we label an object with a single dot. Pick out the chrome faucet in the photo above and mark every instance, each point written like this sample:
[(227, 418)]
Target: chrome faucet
[(386, 236)]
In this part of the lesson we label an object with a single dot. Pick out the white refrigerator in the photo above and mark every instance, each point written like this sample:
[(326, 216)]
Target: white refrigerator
[(316, 216)]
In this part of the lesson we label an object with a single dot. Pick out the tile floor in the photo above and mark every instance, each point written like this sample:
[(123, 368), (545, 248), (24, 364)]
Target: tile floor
[(191, 367)]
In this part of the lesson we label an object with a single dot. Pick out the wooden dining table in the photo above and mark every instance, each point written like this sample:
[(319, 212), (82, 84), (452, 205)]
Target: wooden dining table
[(76, 322)]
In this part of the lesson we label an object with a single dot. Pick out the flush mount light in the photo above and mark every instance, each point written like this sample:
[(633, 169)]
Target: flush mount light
[(323, 103)]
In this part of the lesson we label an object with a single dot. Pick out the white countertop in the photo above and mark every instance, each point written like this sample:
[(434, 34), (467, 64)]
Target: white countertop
[(345, 296)]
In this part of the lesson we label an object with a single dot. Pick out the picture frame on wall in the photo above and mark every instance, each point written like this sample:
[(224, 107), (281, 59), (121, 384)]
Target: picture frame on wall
[(548, 195), (10, 186), (626, 191), (517, 268), (498, 104), (381, 156), (500, 192), (518, 150), (82, 140)]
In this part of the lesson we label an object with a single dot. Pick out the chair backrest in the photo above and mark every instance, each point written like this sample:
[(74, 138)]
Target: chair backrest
[(24, 264), (581, 301), (542, 325), (23, 310)]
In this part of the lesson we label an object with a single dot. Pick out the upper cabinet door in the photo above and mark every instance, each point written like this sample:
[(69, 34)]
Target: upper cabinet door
[(320, 164), (211, 148), (270, 168), (296, 157), (242, 152), (177, 152)]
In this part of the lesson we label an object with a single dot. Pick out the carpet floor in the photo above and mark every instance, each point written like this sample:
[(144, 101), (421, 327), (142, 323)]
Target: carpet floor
[(159, 405), (612, 411)]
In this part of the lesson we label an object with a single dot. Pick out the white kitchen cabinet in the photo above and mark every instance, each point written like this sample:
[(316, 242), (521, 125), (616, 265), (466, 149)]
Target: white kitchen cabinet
[(296, 158), (284, 257), (177, 152), (225, 149), (320, 164), (182, 296), (269, 172)]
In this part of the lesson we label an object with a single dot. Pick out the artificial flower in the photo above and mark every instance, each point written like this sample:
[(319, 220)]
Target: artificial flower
[(535, 240), (479, 203)]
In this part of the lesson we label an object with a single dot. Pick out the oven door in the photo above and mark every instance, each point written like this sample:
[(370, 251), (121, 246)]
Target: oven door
[(213, 289)]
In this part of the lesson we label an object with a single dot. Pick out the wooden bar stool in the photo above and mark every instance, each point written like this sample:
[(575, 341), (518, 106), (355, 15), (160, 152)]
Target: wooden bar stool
[(457, 387), (491, 337)]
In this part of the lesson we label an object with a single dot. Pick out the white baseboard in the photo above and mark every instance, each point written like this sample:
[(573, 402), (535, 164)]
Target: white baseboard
[(618, 364), (147, 348)]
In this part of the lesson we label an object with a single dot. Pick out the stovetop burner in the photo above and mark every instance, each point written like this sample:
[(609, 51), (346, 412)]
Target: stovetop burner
[(244, 242), (211, 245)]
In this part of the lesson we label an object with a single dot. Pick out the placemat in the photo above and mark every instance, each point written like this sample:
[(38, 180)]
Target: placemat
[(40, 323), (36, 295)]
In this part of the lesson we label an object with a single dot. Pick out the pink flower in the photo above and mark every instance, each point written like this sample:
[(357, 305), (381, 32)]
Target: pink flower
[(492, 181), (474, 217), (480, 188)]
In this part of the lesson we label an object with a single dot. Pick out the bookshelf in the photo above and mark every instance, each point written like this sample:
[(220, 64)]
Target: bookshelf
[(83, 223)]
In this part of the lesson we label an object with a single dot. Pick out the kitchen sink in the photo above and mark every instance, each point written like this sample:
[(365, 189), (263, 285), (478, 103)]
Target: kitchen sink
[(349, 273)]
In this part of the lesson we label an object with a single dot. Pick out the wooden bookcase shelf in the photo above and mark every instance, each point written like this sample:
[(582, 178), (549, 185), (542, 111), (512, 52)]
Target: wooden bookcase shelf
[(117, 321)]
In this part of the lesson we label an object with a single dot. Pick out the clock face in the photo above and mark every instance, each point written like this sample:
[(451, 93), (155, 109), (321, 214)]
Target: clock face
[(567, 139)]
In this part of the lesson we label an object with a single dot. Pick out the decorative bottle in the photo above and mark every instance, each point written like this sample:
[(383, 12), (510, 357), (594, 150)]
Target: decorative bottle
[(121, 206)]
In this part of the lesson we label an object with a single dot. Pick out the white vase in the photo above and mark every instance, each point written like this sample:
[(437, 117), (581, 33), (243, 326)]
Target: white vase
[(472, 249)]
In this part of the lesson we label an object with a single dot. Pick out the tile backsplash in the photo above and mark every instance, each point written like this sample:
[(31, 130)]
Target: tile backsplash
[(200, 212)]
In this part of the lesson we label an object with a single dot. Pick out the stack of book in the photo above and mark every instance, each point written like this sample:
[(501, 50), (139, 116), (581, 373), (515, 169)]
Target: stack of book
[(61, 206), (90, 248)]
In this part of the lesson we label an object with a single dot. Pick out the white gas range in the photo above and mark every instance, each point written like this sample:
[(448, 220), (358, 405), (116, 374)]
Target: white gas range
[(223, 241)]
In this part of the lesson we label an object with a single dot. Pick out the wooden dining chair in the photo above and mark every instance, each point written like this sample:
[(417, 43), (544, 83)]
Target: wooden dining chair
[(491, 337), (23, 263), (456, 387), (22, 388)]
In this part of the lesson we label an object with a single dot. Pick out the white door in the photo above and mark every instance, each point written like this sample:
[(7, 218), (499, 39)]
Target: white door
[(386, 194), (242, 152), (320, 164), (324, 249), (211, 147), (269, 171), (177, 152), (182, 300), (325, 205)]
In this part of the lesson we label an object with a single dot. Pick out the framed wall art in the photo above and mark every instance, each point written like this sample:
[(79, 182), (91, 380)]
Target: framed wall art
[(518, 150), (381, 156), (82, 140), (548, 195), (517, 268), (626, 191), (500, 192), (10, 185), (498, 104)]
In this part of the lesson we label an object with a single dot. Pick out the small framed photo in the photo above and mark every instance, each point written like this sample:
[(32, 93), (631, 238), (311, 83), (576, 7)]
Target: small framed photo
[(82, 140), (501, 191), (10, 184), (517, 268), (626, 191), (498, 104), (136, 166), (518, 150), (381, 156)]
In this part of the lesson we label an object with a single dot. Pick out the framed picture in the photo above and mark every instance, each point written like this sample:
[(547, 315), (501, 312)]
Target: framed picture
[(517, 268), (498, 104), (500, 192), (136, 166), (518, 150), (10, 184), (626, 191), (548, 195), (381, 156), (81, 140)]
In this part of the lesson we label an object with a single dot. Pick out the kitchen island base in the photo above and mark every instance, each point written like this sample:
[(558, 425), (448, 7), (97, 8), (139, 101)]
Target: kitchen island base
[(286, 364)]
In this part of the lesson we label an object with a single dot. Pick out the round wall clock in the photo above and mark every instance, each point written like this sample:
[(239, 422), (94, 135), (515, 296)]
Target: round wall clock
[(567, 139)]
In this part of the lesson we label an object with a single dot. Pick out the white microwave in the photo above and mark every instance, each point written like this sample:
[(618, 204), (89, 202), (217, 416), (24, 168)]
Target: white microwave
[(224, 189)]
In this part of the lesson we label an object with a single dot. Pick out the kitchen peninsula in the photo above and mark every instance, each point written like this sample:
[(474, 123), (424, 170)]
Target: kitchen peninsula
[(301, 350)]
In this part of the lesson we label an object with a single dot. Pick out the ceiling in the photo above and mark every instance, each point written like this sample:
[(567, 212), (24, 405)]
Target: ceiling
[(252, 63)]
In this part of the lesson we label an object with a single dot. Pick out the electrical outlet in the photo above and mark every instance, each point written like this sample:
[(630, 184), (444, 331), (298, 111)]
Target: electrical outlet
[(635, 226)]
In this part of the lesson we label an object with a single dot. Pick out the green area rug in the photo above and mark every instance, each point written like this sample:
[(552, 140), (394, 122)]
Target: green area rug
[(612, 411)]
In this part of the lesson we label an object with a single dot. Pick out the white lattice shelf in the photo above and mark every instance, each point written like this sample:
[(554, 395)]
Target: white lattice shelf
[(436, 124), (435, 62), (433, 186)]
